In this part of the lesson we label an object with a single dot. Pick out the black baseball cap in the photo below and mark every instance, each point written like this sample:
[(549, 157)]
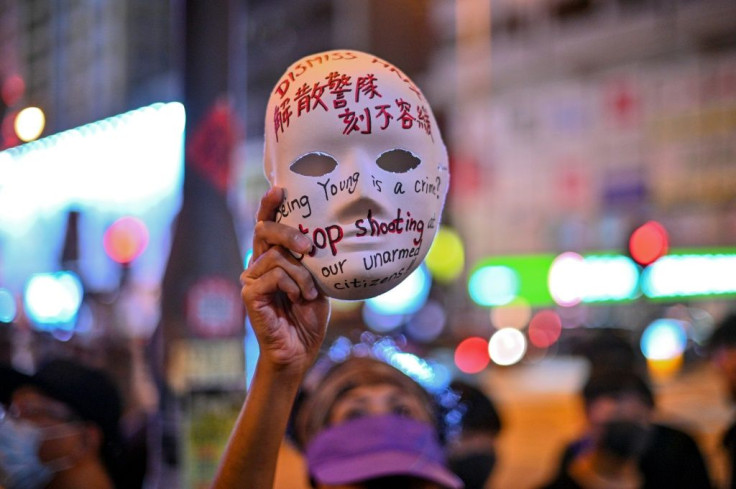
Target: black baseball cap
[(89, 392)]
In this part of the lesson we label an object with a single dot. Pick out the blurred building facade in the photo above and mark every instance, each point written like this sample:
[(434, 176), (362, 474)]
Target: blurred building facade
[(83, 61), (591, 116)]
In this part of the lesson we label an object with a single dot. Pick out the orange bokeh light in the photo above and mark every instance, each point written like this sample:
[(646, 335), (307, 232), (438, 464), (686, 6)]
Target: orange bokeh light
[(125, 239), (648, 243)]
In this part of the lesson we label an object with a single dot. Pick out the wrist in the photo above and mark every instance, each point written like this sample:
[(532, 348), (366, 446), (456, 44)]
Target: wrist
[(290, 373)]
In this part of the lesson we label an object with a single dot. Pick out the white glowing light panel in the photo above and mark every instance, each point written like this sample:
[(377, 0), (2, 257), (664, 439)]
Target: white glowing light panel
[(690, 275), (595, 278), (130, 164), (127, 159)]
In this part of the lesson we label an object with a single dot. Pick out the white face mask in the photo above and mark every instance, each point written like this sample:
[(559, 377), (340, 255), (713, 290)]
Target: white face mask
[(357, 149)]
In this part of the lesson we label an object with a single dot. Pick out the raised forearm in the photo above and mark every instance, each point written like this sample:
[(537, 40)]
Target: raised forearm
[(250, 457)]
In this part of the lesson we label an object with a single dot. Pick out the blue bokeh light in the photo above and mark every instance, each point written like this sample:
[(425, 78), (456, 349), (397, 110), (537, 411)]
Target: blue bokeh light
[(493, 285), (407, 297), (52, 300), (664, 339), (432, 375)]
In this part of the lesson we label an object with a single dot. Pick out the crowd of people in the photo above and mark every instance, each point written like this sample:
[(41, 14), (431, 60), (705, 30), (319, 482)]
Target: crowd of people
[(363, 424)]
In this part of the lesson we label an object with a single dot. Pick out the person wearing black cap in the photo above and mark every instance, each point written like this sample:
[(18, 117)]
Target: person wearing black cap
[(623, 447), (365, 425), (60, 428)]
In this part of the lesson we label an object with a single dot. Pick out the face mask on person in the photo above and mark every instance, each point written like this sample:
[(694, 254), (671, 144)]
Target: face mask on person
[(393, 450), (473, 468), (20, 465), (625, 439), (358, 152)]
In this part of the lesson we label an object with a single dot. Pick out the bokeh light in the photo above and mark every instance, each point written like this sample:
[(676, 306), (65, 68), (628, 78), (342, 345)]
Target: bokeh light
[(648, 243), (664, 339), (515, 314), (406, 298), (446, 257), (512, 277), (52, 300), (415, 367), (12, 89), (567, 279), (379, 322), (125, 239), (545, 329), (682, 275), (610, 278), (493, 285), (29, 124), (471, 355), (340, 349), (428, 323), (8, 309), (595, 278), (507, 346), (432, 375)]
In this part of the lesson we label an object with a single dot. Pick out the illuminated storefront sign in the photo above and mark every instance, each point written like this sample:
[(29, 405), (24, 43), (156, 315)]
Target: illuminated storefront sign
[(570, 278), (131, 164)]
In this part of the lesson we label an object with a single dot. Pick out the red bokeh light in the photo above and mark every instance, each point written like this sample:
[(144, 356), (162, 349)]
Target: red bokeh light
[(125, 239), (8, 139), (545, 329), (12, 89), (471, 355), (648, 243)]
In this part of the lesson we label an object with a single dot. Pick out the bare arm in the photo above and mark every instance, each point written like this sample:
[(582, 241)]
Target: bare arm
[(252, 451), (289, 317)]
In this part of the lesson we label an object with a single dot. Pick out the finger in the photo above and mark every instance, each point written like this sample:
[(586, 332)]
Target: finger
[(267, 211), (268, 233), (244, 274), (273, 281), (279, 258), (269, 204)]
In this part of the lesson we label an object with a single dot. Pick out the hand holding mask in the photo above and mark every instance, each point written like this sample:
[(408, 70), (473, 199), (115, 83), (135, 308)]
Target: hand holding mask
[(355, 145)]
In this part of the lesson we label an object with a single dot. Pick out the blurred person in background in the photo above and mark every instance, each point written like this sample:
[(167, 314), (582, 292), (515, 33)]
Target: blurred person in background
[(60, 428), (611, 349), (722, 352), (366, 424), (623, 447), (472, 452)]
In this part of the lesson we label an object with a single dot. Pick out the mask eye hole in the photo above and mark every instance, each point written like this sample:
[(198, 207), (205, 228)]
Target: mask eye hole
[(314, 164), (398, 161)]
